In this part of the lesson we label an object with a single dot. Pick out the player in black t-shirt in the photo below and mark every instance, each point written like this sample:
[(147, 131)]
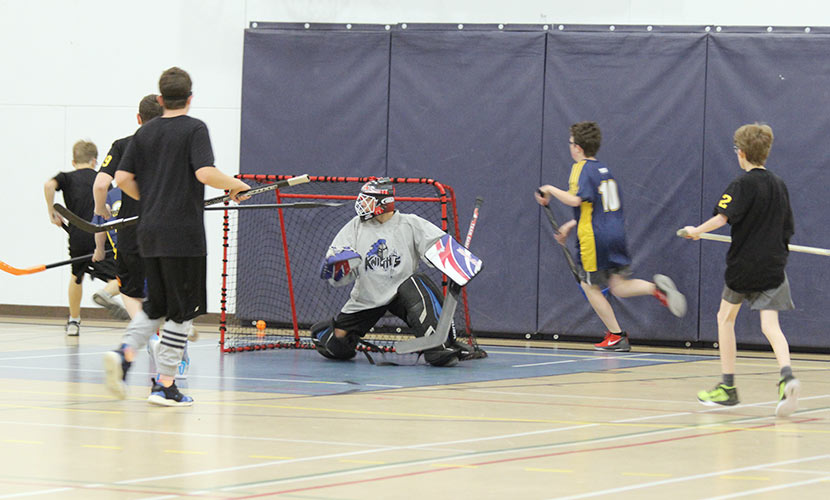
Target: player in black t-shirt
[(167, 164), (757, 206), (76, 187), (129, 265)]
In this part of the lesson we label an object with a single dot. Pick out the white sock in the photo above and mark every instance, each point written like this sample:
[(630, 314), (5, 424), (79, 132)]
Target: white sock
[(76, 320)]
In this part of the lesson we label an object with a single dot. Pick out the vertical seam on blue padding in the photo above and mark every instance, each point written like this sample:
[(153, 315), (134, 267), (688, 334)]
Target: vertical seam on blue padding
[(541, 167), (388, 103), (702, 185)]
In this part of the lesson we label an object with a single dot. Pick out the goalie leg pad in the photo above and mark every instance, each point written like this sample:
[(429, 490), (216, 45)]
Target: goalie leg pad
[(331, 346), (421, 302)]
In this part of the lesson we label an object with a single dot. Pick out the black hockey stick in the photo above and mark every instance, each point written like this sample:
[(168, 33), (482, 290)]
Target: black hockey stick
[(90, 227), (36, 269), (293, 181), (442, 330), (568, 256), (297, 204)]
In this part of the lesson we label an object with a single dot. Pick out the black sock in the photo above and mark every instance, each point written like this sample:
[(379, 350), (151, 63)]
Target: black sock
[(729, 379), (787, 371)]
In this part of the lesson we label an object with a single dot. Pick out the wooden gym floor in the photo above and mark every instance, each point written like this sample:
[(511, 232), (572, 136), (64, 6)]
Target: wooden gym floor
[(526, 423)]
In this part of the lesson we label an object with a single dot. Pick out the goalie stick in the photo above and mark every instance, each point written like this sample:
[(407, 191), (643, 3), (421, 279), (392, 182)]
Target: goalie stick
[(297, 204), (293, 181), (793, 248), (36, 269), (91, 227), (442, 330)]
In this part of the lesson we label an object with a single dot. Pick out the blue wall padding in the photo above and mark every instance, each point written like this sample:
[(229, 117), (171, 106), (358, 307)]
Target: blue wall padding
[(487, 110)]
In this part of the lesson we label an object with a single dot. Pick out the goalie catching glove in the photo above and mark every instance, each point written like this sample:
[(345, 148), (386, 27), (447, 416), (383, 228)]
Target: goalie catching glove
[(340, 268), (452, 259)]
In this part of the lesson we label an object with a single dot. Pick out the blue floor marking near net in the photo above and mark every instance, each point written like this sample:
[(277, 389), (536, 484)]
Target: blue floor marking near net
[(306, 373)]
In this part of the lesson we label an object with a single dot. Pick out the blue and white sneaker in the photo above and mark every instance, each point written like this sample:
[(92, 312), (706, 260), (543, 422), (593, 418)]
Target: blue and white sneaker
[(168, 396)]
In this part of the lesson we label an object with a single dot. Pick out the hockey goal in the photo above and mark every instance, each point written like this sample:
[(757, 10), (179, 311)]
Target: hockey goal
[(272, 256)]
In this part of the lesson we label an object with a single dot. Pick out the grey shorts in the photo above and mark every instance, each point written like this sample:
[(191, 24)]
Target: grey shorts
[(600, 277), (775, 299)]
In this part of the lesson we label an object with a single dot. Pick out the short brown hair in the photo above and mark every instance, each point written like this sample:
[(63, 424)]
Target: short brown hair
[(84, 152), (175, 87), (587, 136), (149, 108), (755, 141)]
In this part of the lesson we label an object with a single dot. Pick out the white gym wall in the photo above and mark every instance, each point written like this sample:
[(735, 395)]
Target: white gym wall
[(77, 69)]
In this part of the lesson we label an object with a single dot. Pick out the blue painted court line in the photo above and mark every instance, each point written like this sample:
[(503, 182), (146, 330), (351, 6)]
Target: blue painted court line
[(306, 373)]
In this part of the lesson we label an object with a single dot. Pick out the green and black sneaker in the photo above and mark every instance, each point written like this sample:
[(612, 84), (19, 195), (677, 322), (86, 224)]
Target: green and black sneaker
[(788, 389), (721, 395)]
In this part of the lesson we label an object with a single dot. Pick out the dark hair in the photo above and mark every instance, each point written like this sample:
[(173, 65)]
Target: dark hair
[(84, 152), (587, 136), (755, 141), (175, 87), (149, 108)]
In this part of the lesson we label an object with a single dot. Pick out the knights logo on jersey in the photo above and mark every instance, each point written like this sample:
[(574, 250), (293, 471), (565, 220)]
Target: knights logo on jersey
[(452, 259), (379, 257)]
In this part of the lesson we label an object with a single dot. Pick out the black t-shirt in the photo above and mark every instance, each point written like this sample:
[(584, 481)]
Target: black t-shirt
[(127, 238), (77, 196), (757, 205), (164, 155)]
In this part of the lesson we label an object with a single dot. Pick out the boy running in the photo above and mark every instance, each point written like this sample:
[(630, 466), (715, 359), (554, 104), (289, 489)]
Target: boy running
[(757, 206), (167, 164), (603, 254)]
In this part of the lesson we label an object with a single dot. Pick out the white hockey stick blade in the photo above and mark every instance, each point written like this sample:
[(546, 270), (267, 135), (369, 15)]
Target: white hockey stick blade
[(442, 331), (90, 227), (727, 239)]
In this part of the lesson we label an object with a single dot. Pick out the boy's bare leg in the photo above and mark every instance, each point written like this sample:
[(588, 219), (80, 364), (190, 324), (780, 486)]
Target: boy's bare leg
[(772, 330), (112, 288), (727, 314), (623, 288), (602, 307), (76, 291), (132, 305)]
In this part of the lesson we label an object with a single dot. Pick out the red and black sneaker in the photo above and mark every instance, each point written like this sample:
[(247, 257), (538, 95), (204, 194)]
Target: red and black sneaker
[(617, 342)]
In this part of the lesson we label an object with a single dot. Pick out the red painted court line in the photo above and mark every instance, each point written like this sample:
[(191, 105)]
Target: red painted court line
[(550, 403), (514, 459)]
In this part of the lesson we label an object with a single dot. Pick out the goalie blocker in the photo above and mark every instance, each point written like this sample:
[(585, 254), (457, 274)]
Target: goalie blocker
[(418, 302)]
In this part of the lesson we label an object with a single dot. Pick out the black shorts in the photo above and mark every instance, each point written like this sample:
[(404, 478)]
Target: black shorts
[(360, 322), (130, 268), (176, 288), (104, 270)]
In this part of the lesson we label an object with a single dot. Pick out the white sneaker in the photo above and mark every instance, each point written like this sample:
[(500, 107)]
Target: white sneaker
[(106, 301), (669, 296), (73, 328)]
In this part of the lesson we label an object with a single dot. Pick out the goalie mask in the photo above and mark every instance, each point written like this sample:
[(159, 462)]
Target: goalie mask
[(375, 198)]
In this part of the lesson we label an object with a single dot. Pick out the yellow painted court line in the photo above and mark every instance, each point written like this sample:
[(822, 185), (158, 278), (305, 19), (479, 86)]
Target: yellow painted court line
[(270, 457), (564, 471), (371, 462), (101, 447), (21, 441), (186, 452), (746, 478), (645, 474), (78, 410), (456, 466)]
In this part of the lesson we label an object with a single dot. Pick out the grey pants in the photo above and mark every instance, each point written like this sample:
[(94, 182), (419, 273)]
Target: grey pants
[(173, 340)]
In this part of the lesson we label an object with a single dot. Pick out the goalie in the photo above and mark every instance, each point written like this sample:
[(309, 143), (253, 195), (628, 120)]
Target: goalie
[(379, 251)]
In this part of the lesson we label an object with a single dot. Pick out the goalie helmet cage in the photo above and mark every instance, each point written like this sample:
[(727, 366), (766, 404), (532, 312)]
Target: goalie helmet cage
[(271, 262)]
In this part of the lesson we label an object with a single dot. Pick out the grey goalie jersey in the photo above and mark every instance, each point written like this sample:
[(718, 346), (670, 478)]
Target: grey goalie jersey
[(390, 253)]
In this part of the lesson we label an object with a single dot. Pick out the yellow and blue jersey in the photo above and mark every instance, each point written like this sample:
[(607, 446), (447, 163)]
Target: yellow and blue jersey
[(600, 227)]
